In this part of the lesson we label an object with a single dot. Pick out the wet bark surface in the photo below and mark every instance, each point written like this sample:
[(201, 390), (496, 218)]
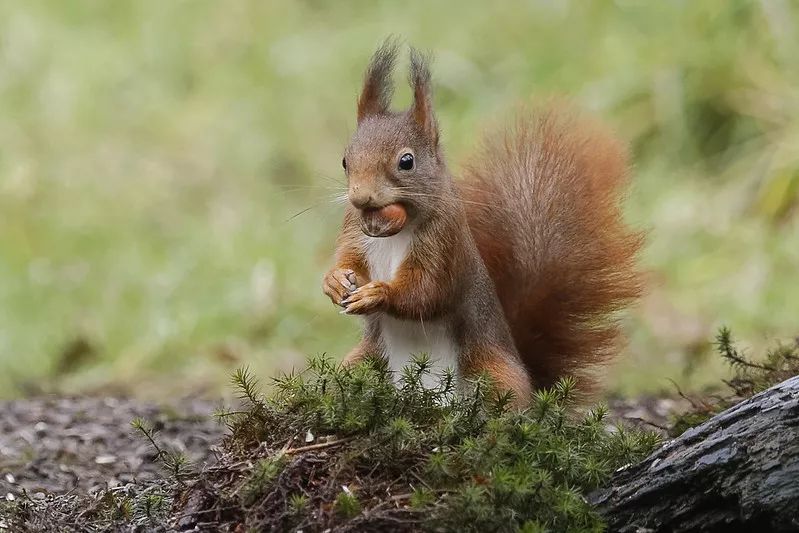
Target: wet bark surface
[(739, 471)]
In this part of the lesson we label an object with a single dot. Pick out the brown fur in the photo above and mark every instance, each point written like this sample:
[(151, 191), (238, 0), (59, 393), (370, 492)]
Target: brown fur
[(526, 261), (377, 89), (543, 203)]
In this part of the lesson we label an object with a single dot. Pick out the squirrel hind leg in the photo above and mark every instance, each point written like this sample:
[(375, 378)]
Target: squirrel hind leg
[(368, 346), (503, 368)]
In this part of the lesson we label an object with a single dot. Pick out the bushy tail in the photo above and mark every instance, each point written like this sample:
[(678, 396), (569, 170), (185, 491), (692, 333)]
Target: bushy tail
[(543, 203)]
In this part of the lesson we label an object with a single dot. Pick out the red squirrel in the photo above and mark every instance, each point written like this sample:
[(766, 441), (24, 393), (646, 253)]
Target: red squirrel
[(516, 271)]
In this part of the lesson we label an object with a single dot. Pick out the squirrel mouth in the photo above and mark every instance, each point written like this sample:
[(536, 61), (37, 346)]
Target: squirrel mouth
[(383, 221)]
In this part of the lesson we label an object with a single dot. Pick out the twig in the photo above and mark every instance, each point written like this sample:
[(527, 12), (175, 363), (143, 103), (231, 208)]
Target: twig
[(422, 481), (318, 446), (696, 404), (647, 422), (745, 362)]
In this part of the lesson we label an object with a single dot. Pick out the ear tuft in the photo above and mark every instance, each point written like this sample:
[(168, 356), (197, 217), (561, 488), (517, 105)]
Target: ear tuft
[(422, 109), (378, 88)]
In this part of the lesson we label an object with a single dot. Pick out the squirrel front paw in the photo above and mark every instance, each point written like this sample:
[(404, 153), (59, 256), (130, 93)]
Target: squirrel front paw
[(370, 298), (339, 283)]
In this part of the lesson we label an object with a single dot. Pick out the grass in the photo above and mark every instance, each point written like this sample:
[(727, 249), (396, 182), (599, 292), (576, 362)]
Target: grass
[(154, 156)]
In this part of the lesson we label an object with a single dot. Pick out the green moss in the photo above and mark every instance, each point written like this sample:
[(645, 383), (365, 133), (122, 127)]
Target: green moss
[(347, 504), (260, 478), (298, 502), (461, 459)]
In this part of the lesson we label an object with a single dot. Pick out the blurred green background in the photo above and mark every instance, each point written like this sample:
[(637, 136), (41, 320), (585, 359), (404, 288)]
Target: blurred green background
[(153, 155)]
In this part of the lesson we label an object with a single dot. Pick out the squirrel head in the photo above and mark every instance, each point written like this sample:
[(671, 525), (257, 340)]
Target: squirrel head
[(394, 158)]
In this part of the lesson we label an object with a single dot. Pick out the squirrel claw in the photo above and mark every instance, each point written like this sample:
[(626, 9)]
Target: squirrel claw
[(366, 299), (338, 284)]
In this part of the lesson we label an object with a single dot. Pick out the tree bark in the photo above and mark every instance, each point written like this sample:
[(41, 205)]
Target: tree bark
[(739, 471)]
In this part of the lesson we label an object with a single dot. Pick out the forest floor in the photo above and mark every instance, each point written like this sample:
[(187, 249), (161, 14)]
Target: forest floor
[(66, 453), (51, 447), (58, 445)]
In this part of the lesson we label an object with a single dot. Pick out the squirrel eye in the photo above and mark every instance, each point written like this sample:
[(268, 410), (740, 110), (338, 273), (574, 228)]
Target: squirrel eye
[(406, 162), (344, 163)]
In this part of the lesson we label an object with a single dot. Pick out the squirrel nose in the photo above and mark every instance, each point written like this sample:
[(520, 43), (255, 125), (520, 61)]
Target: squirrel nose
[(360, 198)]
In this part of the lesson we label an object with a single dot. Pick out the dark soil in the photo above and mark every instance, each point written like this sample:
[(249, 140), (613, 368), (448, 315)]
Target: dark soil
[(60, 453), (56, 445)]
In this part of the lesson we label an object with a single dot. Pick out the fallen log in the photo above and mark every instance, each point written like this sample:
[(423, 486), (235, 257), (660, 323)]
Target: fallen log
[(739, 471)]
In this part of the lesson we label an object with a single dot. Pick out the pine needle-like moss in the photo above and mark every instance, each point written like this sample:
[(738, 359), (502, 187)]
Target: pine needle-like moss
[(350, 448)]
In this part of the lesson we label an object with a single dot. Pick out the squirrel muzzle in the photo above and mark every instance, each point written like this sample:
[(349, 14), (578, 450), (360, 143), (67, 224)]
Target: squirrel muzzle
[(380, 215)]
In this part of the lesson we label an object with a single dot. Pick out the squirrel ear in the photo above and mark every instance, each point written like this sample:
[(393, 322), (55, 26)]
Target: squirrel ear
[(377, 89), (422, 109)]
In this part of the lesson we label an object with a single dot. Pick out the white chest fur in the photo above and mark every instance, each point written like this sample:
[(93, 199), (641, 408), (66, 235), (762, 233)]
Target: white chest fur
[(402, 339), (386, 254)]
